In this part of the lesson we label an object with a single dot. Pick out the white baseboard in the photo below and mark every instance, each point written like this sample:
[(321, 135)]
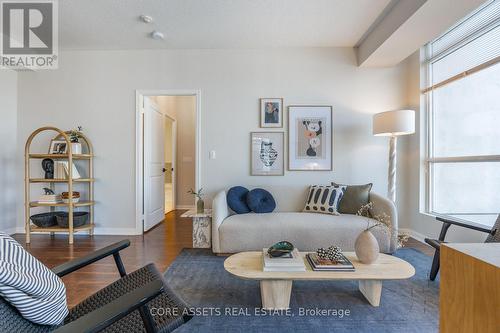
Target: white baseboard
[(13, 230), (184, 207), (97, 231), (418, 236), (116, 231)]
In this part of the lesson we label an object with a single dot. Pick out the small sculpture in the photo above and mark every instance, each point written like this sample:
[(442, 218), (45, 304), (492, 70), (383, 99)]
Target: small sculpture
[(48, 167), (48, 191), (333, 253), (280, 249)]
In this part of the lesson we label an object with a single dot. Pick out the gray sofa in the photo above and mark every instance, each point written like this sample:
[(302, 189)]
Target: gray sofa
[(233, 233)]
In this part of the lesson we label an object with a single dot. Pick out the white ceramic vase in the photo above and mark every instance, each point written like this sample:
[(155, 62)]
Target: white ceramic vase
[(76, 147), (366, 247)]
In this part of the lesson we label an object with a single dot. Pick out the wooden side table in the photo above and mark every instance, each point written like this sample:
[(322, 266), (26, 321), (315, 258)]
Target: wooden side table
[(202, 228)]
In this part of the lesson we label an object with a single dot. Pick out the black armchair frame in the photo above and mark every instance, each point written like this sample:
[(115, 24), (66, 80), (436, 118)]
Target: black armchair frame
[(436, 243), (97, 320)]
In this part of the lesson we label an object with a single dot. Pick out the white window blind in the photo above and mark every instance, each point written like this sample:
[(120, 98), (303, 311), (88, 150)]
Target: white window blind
[(462, 92)]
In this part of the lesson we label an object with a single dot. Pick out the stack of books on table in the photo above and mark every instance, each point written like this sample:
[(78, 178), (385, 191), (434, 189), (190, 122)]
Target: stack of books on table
[(292, 262), (319, 264), (49, 199)]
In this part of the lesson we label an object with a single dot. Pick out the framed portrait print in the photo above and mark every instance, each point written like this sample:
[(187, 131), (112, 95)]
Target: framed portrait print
[(271, 112), (310, 138), (58, 147), (268, 153)]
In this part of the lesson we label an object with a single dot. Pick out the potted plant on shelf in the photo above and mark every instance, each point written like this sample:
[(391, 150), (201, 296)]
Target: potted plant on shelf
[(200, 204), (74, 137)]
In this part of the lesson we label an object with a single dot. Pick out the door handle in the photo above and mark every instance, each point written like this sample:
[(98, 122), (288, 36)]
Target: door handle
[(163, 170)]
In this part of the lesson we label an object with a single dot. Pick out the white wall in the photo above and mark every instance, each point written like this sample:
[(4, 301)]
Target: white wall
[(410, 161), (95, 89), (9, 168)]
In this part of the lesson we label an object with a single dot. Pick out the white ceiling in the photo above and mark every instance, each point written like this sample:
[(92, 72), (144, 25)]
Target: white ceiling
[(114, 24)]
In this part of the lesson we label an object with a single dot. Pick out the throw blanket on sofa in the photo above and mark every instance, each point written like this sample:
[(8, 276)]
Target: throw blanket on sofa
[(37, 293)]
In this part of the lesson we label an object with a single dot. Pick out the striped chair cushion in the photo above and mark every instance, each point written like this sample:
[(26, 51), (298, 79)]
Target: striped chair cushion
[(38, 294), (324, 199)]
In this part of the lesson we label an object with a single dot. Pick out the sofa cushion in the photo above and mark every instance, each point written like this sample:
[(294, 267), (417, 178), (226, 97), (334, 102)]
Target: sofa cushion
[(324, 199), (355, 196), (306, 231), (237, 199), (260, 201)]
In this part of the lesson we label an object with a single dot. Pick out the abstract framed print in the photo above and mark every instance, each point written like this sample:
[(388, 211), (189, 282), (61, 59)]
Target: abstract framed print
[(271, 112), (268, 153), (310, 138)]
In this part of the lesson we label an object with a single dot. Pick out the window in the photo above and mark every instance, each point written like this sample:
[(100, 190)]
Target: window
[(462, 112)]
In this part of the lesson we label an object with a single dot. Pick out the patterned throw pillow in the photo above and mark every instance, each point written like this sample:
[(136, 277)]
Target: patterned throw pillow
[(38, 293), (324, 199)]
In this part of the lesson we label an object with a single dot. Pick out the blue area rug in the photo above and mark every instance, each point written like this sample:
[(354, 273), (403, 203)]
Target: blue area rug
[(228, 304)]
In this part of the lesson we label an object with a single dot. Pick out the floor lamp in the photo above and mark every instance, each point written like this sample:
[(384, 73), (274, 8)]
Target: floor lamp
[(393, 124)]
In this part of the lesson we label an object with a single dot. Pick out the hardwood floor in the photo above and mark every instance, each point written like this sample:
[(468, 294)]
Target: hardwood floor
[(160, 245)]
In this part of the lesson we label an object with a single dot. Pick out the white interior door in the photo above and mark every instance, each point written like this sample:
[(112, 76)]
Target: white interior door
[(154, 164)]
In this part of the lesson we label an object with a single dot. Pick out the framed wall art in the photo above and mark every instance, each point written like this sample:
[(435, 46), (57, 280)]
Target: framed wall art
[(271, 112), (58, 147), (268, 153), (310, 138)]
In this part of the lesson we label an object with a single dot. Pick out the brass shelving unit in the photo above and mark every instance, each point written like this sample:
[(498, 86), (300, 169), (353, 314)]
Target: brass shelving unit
[(70, 157)]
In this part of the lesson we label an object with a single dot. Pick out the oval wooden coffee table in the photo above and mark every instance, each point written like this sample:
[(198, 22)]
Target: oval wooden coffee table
[(276, 287)]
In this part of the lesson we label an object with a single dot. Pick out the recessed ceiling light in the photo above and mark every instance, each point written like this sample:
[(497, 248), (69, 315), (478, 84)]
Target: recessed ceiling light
[(157, 35), (146, 18)]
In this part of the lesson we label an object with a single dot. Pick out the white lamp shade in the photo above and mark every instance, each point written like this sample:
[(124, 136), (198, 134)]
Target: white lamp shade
[(394, 123)]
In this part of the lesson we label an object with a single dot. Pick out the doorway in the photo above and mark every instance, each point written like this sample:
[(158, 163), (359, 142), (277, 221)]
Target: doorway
[(167, 154)]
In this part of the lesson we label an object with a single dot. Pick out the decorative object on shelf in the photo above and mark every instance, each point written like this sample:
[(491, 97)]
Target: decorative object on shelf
[(49, 197), (65, 197), (48, 191), (45, 220), (202, 228), (280, 249), (200, 204), (62, 157), (58, 147), (393, 124), (271, 112), (310, 138), (48, 167), (74, 137), (79, 219), (267, 153), (332, 253)]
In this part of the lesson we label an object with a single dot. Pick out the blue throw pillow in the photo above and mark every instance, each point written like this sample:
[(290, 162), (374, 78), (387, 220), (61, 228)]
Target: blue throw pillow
[(237, 199), (260, 201)]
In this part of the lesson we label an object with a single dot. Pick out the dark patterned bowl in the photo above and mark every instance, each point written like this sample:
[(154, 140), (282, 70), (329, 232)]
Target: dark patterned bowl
[(45, 220), (79, 219)]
